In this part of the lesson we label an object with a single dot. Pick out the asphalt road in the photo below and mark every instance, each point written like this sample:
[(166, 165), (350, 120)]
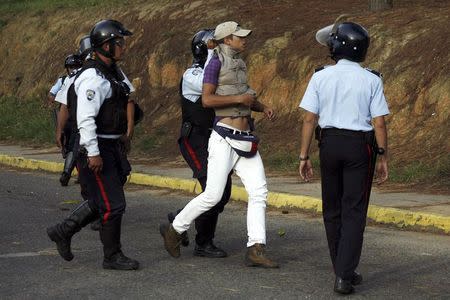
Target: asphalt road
[(395, 264)]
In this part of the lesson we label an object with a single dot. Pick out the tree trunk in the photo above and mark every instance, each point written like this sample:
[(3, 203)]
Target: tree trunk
[(375, 5)]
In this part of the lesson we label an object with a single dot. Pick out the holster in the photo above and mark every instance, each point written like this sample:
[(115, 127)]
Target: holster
[(82, 157), (318, 134), (186, 128), (372, 142)]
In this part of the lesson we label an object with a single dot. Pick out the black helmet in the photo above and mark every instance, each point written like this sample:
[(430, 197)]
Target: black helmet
[(85, 46), (199, 45), (107, 30), (348, 40), (73, 61)]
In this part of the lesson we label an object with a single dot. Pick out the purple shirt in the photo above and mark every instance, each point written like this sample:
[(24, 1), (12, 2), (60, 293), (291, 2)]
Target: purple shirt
[(212, 70)]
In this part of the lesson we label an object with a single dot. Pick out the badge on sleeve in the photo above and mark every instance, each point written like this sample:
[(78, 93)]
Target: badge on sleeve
[(90, 94)]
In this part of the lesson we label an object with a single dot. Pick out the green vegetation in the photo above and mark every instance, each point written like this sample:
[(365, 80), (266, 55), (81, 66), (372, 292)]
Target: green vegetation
[(3, 23), (16, 6), (418, 172), (438, 172), (146, 142), (25, 120), (285, 161)]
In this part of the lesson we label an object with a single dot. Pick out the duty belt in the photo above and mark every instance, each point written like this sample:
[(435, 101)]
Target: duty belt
[(201, 130), (343, 132)]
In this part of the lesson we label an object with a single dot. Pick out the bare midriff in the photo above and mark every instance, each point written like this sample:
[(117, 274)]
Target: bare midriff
[(240, 123)]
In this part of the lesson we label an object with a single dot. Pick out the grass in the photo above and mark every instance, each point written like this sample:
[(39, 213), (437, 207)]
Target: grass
[(285, 161), (146, 142), (25, 120), (3, 23), (416, 172), (16, 6), (437, 172)]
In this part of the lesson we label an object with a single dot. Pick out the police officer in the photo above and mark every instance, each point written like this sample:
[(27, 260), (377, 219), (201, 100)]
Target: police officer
[(197, 122), (101, 113), (70, 139), (71, 63), (65, 139), (346, 99)]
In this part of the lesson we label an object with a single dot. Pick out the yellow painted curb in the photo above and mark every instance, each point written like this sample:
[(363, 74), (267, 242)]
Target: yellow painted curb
[(384, 215), (31, 164)]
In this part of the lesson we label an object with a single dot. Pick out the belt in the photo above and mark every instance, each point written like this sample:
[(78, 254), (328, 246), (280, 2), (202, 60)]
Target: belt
[(234, 131), (343, 132)]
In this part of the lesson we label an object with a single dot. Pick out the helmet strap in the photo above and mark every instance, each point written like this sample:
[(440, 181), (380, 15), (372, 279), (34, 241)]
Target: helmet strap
[(109, 54)]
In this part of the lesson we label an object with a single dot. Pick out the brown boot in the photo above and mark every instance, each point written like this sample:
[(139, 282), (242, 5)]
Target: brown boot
[(255, 257), (172, 239)]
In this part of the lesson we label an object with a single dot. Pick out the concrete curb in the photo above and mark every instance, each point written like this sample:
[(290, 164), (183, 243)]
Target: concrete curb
[(384, 215)]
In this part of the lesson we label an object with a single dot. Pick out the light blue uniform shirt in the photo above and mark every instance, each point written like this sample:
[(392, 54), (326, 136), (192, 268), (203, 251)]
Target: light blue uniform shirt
[(56, 87), (345, 96)]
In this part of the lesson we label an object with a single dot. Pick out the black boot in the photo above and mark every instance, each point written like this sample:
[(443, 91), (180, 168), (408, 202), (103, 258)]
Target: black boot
[(62, 233), (113, 256), (209, 250), (64, 179), (69, 164), (185, 238), (96, 224), (342, 286), (205, 225)]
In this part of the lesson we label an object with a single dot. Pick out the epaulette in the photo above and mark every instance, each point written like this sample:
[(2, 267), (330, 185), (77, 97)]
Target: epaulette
[(320, 68), (375, 72), (99, 73)]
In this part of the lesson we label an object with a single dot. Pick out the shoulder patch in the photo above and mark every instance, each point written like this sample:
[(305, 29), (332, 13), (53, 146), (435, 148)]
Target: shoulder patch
[(375, 72), (90, 94)]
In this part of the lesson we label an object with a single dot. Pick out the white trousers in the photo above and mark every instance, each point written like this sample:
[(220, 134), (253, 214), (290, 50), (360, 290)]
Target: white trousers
[(221, 160)]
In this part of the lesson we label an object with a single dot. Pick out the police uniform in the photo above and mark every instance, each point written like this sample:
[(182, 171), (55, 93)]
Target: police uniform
[(57, 86), (197, 122), (100, 111), (61, 98), (346, 97), (101, 117), (72, 63)]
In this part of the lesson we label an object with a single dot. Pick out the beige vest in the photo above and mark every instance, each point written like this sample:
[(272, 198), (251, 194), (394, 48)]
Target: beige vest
[(232, 81)]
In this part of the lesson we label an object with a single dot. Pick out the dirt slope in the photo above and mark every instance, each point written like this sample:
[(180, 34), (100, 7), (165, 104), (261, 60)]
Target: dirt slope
[(409, 46)]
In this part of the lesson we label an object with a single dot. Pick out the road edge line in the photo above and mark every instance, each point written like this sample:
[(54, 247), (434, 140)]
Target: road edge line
[(384, 215)]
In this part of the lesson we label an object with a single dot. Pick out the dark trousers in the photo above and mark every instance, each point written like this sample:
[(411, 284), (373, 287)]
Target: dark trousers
[(69, 137), (346, 164), (105, 190), (195, 151), (73, 145), (82, 181)]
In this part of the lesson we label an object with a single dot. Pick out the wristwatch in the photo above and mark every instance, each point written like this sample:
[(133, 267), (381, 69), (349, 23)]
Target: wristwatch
[(380, 151), (303, 158)]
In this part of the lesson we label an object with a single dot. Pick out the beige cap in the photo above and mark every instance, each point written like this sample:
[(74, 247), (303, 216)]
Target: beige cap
[(227, 28)]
